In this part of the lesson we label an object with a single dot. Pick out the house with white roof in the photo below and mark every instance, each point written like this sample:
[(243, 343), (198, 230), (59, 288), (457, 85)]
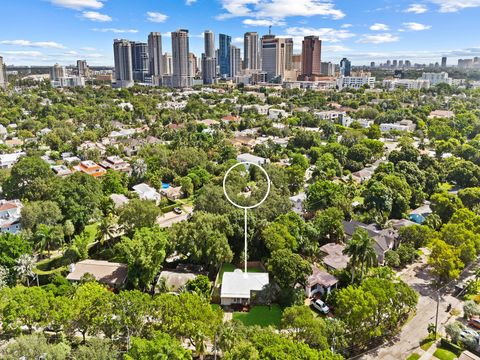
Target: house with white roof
[(146, 192), (238, 287), (8, 160), (246, 157), (10, 215)]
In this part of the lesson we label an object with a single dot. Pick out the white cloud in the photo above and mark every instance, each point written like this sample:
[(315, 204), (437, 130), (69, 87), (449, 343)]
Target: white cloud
[(238, 40), (378, 38), (28, 43), (417, 9), (447, 6), (78, 4), (346, 26), (88, 48), (190, 2), (24, 53), (156, 17), (416, 26), (379, 27), (96, 16), (263, 22), (117, 31), (279, 9), (335, 48), (325, 34)]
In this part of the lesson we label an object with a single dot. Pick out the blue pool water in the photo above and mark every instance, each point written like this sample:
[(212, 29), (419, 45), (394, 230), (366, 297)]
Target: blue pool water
[(165, 186)]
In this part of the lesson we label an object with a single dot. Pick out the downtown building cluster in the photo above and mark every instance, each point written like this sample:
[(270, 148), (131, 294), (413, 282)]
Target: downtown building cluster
[(266, 59)]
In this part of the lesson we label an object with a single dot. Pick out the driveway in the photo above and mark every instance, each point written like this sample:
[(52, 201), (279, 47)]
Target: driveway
[(419, 278), (170, 218)]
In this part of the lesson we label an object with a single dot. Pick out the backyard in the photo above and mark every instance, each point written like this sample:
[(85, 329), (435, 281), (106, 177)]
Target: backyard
[(261, 315)]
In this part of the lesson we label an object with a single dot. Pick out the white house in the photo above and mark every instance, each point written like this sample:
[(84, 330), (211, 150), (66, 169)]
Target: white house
[(355, 82), (403, 125), (246, 157), (276, 114), (8, 160), (237, 286), (146, 192), (321, 282), (10, 215)]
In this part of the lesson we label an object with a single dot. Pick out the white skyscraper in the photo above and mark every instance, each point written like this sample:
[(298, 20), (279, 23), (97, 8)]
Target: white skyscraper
[(3, 74), (180, 51), (167, 64), (235, 61), (122, 51), (155, 57), (251, 52)]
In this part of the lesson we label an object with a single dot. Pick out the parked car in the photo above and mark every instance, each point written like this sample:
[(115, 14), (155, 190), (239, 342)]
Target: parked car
[(474, 322), (177, 210), (469, 333), (321, 306)]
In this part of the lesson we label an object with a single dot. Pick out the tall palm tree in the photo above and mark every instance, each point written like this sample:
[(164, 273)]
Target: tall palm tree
[(46, 237), (107, 229), (362, 253)]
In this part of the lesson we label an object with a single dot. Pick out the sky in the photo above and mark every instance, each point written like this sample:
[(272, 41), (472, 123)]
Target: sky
[(45, 32)]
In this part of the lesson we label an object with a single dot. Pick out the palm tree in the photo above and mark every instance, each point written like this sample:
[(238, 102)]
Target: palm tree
[(46, 237), (362, 253), (24, 268), (107, 229)]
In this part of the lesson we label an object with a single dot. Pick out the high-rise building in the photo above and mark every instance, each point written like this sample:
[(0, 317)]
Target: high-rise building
[(444, 62), (346, 67), (3, 74), (140, 61), (395, 63), (57, 72), (209, 61), (311, 56), (251, 53), (372, 64), (327, 69), (122, 52), (408, 63), (180, 50), (82, 68), (192, 65), (224, 54), (167, 64), (297, 62), (155, 57), (235, 61), (277, 57), (209, 39)]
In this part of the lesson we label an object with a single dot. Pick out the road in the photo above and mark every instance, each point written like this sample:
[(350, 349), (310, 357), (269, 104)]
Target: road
[(170, 218), (419, 278)]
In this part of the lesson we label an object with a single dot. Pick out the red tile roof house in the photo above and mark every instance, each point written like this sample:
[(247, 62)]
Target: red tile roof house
[(10, 215), (231, 118)]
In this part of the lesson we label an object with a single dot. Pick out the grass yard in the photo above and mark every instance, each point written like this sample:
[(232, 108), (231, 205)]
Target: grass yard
[(444, 354), (261, 315), (414, 356), (425, 344)]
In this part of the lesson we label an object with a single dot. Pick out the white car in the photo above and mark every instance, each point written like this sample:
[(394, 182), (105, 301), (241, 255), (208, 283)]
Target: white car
[(321, 306), (469, 333)]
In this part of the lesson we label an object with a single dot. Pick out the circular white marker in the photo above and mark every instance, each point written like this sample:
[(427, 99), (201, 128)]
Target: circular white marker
[(245, 208)]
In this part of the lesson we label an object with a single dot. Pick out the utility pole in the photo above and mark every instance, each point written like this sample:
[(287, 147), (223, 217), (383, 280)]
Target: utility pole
[(436, 315)]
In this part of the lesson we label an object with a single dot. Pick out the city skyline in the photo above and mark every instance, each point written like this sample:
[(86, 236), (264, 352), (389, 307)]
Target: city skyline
[(375, 31)]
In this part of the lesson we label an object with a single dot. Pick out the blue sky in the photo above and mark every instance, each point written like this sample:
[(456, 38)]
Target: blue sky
[(43, 32)]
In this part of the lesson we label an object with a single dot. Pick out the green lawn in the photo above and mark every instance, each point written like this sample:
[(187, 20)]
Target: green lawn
[(444, 354), (261, 315), (414, 356), (425, 344)]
